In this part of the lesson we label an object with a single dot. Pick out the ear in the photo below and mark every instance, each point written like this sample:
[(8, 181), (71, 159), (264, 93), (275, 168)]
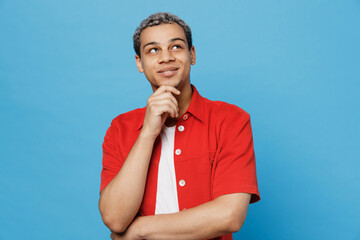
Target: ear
[(192, 55), (138, 63)]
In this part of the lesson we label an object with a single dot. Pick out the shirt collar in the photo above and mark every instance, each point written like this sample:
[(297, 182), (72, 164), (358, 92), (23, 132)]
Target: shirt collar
[(196, 107)]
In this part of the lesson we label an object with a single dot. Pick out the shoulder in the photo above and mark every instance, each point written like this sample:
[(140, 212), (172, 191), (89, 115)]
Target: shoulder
[(132, 115), (131, 119), (225, 112)]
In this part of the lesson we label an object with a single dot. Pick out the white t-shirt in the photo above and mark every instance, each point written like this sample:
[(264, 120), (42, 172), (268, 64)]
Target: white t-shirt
[(166, 195)]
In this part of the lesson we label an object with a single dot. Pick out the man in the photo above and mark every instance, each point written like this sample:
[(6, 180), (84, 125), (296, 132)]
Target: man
[(184, 166)]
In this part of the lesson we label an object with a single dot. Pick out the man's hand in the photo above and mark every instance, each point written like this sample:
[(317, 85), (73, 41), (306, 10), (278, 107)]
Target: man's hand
[(160, 105)]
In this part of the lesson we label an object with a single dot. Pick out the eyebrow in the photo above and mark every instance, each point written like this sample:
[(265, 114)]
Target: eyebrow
[(150, 43), (176, 39), (157, 43)]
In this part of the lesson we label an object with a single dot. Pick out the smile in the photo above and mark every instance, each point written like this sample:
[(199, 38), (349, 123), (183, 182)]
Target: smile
[(168, 72)]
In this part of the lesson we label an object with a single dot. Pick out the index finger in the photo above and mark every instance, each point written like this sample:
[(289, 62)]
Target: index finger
[(166, 88)]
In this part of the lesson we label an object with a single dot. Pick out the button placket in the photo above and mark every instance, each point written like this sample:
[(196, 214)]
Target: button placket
[(178, 151)]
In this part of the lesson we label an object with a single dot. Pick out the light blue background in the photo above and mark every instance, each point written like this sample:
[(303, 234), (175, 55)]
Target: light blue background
[(67, 69)]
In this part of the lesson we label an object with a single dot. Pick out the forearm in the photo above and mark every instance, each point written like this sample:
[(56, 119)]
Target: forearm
[(121, 199), (215, 218)]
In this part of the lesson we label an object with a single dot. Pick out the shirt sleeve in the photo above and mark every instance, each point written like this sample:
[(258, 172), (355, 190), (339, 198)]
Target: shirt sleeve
[(112, 159), (235, 168)]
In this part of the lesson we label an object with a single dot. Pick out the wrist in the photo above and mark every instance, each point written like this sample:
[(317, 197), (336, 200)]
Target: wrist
[(148, 135), (138, 228)]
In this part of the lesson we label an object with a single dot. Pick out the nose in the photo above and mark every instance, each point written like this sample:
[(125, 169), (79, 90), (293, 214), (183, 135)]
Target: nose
[(166, 56)]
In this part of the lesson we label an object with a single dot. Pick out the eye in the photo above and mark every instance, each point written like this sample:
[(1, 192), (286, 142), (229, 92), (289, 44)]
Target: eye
[(176, 47), (153, 50)]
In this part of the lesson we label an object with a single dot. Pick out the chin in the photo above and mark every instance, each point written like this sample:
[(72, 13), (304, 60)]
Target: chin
[(174, 83)]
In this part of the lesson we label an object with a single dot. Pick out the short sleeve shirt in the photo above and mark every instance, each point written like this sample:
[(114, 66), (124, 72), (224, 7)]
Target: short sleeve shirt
[(213, 153)]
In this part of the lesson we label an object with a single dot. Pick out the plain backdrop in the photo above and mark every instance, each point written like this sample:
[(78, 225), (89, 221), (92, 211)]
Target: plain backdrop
[(67, 69)]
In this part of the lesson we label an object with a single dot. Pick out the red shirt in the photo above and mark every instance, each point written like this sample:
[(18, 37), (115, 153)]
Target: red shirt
[(213, 153)]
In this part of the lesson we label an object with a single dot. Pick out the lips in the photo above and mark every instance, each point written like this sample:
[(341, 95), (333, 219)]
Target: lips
[(168, 72)]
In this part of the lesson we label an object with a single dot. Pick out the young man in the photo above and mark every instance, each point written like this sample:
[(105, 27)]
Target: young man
[(184, 166)]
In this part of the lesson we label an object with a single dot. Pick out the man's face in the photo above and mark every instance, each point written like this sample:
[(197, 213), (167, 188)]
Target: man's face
[(165, 56)]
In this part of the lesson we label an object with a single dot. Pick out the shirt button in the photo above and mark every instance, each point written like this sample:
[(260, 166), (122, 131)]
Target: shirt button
[(178, 151), (182, 182), (185, 117), (181, 128)]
